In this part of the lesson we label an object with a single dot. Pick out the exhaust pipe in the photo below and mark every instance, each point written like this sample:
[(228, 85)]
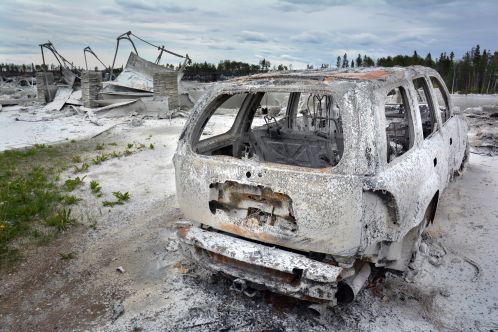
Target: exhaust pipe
[(319, 309), (239, 285), (349, 287)]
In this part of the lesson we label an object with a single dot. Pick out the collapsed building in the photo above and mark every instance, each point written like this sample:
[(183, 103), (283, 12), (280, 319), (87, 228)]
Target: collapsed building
[(152, 88)]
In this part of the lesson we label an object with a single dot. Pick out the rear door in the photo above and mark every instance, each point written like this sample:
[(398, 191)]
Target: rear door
[(449, 128), (434, 146)]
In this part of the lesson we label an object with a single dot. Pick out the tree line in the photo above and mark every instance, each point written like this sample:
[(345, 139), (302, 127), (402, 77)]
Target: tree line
[(475, 72)]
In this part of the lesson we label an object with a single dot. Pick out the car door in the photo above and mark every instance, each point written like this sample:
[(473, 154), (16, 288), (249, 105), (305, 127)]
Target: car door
[(403, 164), (434, 146), (450, 124)]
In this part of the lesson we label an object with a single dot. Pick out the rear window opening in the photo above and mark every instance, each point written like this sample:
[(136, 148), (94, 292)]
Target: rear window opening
[(426, 107), (399, 128), (302, 129)]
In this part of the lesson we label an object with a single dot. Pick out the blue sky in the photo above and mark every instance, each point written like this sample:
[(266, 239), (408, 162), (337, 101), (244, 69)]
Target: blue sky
[(296, 32)]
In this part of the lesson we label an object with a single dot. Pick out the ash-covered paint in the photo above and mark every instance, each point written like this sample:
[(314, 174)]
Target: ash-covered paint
[(362, 209)]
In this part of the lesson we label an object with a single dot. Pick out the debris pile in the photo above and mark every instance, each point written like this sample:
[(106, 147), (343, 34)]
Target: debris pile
[(483, 135)]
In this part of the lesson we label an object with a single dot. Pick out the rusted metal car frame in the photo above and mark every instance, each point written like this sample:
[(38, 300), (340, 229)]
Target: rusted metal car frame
[(307, 213)]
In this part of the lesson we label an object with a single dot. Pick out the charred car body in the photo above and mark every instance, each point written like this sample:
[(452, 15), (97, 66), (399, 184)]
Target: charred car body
[(299, 182)]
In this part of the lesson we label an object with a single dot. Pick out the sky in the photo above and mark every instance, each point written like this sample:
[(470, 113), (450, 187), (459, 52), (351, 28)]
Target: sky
[(288, 32)]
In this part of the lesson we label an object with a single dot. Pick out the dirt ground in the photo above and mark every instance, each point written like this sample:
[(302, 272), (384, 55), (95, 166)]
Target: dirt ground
[(456, 287)]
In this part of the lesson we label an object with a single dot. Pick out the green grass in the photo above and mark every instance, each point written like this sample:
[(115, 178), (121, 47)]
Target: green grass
[(32, 201), (151, 146), (99, 146), (34, 204)]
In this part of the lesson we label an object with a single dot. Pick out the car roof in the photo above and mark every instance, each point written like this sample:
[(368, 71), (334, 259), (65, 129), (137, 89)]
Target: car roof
[(367, 74)]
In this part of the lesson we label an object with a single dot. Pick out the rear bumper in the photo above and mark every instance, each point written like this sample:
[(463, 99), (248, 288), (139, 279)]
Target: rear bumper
[(278, 270)]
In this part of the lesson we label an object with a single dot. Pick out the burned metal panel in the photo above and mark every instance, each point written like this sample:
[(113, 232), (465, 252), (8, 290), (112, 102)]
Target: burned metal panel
[(280, 270), (257, 204), (317, 220), (138, 73)]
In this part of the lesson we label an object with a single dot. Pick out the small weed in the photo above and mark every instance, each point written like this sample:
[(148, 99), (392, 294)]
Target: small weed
[(72, 141), (99, 146), (120, 196), (67, 255), (93, 225), (71, 184), (99, 159), (129, 145), (113, 144), (111, 204), (151, 146), (83, 168), (127, 152), (40, 146), (70, 199), (76, 159), (141, 146), (115, 154), (61, 220), (95, 187), (42, 238)]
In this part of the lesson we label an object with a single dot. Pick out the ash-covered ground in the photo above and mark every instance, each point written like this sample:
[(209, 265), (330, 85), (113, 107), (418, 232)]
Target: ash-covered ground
[(158, 290)]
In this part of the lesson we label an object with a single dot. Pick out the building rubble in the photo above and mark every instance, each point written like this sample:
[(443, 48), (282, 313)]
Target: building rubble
[(142, 89)]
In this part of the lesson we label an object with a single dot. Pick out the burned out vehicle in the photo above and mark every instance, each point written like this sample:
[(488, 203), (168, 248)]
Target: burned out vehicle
[(301, 182)]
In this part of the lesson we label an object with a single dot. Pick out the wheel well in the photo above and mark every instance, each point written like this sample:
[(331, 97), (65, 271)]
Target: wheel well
[(430, 213)]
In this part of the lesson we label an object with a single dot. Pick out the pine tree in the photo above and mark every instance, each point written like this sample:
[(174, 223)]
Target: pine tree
[(345, 62), (359, 61), (415, 58)]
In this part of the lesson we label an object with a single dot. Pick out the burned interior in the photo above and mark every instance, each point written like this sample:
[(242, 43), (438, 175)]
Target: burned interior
[(295, 128)]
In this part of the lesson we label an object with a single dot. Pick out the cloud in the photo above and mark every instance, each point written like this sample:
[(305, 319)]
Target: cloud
[(286, 31), (310, 6), (153, 6), (252, 36), (309, 37)]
